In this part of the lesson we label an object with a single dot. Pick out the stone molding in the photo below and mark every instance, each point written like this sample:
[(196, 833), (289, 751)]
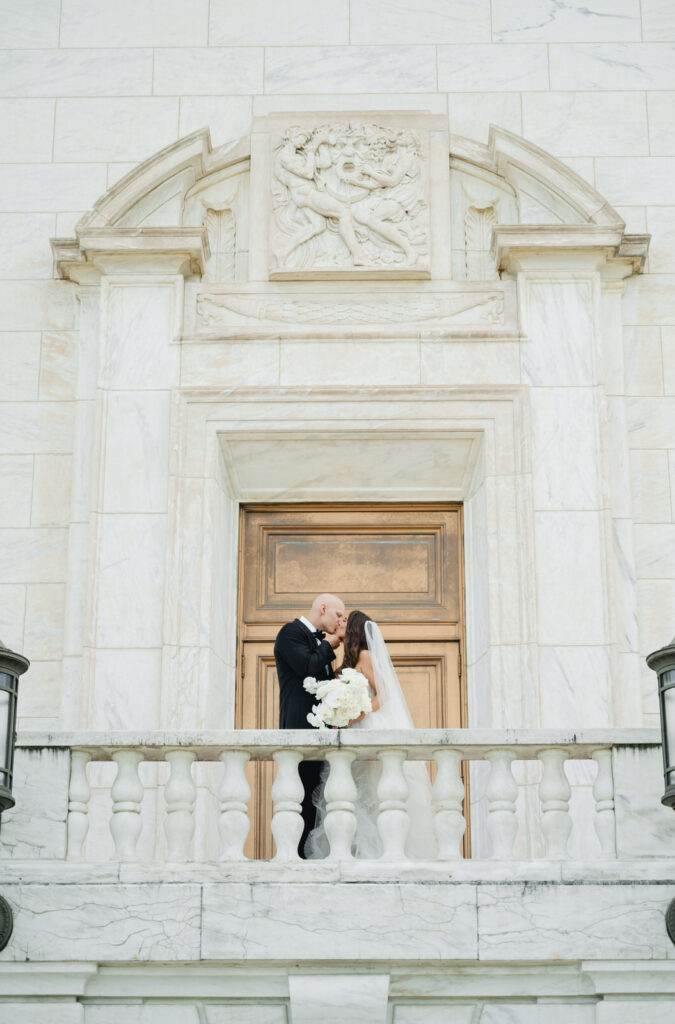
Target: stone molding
[(113, 250), (172, 174), (524, 246)]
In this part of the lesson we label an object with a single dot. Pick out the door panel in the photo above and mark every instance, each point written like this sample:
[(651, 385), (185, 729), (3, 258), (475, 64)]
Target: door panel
[(400, 564)]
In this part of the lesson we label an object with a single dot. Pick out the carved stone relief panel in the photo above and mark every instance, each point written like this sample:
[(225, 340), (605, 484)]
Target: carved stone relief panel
[(349, 196), (331, 309)]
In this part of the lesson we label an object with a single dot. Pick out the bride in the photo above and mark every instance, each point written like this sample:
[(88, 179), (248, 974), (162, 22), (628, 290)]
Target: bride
[(366, 651)]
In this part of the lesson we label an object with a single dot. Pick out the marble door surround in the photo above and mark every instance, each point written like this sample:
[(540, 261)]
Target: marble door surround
[(206, 378)]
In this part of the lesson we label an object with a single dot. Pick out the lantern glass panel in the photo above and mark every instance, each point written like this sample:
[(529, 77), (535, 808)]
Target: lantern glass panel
[(668, 680), (5, 726)]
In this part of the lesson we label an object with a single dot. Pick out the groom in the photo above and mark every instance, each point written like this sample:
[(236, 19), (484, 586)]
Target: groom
[(306, 647)]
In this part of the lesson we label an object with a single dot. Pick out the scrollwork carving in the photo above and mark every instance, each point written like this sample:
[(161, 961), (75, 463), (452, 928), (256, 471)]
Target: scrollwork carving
[(349, 196)]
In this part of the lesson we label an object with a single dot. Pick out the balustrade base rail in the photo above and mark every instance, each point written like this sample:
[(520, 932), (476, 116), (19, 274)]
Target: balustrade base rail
[(497, 750)]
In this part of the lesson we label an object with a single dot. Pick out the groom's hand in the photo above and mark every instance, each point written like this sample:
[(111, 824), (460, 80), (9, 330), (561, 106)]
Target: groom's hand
[(333, 639)]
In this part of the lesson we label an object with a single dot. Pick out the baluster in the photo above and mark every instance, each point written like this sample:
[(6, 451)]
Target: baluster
[(392, 790), (603, 791), (340, 794), (127, 795), (234, 796), (501, 793), (554, 795), (180, 796), (449, 823), (287, 794), (78, 804)]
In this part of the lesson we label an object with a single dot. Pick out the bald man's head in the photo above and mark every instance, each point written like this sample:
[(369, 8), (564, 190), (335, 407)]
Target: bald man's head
[(327, 610)]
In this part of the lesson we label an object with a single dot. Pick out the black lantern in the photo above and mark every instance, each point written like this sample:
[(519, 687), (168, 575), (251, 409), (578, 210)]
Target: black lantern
[(663, 663), (11, 667)]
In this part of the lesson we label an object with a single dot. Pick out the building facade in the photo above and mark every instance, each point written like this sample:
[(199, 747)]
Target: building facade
[(385, 297)]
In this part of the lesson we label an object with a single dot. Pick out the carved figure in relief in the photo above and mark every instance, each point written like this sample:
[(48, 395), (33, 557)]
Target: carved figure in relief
[(348, 195), (299, 165), (395, 191)]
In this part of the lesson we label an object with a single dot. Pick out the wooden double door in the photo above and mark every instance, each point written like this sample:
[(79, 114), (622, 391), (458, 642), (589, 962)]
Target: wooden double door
[(401, 564)]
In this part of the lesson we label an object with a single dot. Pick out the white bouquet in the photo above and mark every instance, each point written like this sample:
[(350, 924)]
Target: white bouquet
[(340, 700)]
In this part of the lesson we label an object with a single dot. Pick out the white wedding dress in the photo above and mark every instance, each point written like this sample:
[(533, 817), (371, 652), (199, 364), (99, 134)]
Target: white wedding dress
[(392, 713)]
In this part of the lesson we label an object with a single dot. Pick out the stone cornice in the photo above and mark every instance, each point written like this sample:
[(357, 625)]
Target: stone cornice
[(525, 246), (106, 250)]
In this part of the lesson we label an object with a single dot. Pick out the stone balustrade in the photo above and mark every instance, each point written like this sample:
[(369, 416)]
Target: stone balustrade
[(494, 752)]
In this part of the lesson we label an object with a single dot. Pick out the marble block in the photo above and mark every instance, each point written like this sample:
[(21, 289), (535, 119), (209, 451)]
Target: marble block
[(300, 70), (476, 67), (532, 21), (153, 1013), (620, 1011), (136, 452), (23, 253), (43, 1012), (245, 1013), (359, 921), (539, 921), (509, 1013), (113, 128), (19, 365), (103, 922), (16, 472), (581, 123), (389, 21), (446, 1013), (127, 23), (34, 25), (644, 827), (36, 825), (193, 71), (559, 319), (593, 66), (139, 325), (336, 998), (295, 22), (566, 463)]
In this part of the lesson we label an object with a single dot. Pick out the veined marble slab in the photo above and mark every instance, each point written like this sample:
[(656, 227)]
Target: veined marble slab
[(354, 922), (568, 922), (103, 922)]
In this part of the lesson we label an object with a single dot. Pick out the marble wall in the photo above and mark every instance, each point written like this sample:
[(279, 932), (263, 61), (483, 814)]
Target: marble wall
[(85, 94)]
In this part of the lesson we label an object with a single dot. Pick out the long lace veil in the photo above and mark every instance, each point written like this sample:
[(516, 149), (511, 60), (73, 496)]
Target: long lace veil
[(393, 712)]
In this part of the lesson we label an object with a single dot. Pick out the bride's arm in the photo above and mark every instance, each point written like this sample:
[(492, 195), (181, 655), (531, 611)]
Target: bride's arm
[(365, 665)]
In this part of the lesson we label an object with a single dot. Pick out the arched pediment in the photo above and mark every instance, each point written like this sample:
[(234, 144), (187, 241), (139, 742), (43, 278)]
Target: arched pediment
[(210, 202)]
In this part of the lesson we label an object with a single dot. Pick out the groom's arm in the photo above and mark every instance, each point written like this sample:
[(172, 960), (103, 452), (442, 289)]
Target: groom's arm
[(304, 662)]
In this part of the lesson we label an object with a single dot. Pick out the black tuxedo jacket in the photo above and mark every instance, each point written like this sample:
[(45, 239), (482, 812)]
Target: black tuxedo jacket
[(298, 655)]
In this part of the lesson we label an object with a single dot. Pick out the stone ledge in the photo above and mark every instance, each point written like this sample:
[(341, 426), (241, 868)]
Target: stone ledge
[(359, 921), (34, 871)]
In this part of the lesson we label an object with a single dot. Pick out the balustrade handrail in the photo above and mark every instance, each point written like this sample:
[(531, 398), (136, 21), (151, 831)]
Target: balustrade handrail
[(235, 748), (208, 745)]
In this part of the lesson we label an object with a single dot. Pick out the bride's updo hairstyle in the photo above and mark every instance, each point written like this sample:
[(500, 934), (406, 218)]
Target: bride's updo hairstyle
[(355, 638)]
